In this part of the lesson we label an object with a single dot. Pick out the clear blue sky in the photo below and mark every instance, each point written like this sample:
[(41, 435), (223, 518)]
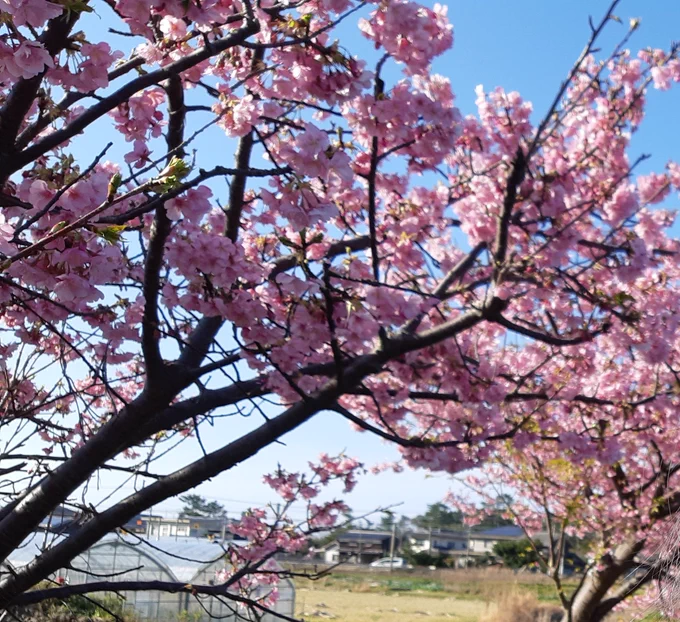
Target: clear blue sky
[(523, 45)]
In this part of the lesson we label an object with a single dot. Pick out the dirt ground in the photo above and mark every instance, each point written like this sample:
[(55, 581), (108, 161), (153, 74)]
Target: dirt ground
[(437, 596), (318, 605), (344, 606)]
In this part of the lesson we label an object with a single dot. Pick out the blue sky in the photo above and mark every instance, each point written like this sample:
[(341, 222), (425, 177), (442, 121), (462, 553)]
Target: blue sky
[(524, 45)]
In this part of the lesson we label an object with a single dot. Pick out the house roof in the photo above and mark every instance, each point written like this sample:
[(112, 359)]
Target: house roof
[(438, 533), (364, 536), (507, 531), (202, 520), (56, 523)]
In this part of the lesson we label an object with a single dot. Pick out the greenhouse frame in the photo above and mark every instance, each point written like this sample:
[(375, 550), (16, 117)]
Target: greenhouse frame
[(120, 557)]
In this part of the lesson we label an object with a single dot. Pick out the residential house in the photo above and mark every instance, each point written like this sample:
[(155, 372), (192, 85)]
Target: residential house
[(358, 546), (437, 541), (139, 525), (573, 562), (482, 542), (461, 545), (64, 520), (186, 527)]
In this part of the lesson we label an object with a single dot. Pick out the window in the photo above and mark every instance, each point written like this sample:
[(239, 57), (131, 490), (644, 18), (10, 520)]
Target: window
[(165, 530)]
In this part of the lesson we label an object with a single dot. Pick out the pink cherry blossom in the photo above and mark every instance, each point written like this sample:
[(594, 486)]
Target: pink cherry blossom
[(28, 60), (173, 28), (33, 12)]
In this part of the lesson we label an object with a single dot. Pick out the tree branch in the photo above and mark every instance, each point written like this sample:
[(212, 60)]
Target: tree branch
[(160, 231), (10, 164), (554, 340), (23, 94), (519, 167), (173, 587)]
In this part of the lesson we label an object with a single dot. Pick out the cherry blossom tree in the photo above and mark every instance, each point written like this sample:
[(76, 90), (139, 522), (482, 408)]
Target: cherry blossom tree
[(610, 481), (455, 285)]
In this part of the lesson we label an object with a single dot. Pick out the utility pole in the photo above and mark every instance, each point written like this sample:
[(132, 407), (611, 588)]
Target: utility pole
[(148, 524), (394, 536), (467, 547)]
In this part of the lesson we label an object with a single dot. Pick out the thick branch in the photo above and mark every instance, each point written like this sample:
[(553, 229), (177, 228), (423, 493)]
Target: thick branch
[(202, 337), (515, 178), (205, 332), (626, 591), (193, 474), (56, 489), (160, 231), (18, 521), (598, 582), (24, 93)]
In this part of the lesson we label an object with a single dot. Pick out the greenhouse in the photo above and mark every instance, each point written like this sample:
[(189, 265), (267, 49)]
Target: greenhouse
[(186, 560)]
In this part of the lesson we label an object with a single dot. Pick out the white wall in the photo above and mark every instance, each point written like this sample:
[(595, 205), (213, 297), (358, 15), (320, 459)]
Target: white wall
[(481, 546)]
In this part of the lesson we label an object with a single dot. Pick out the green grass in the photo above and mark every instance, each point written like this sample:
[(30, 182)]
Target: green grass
[(411, 585)]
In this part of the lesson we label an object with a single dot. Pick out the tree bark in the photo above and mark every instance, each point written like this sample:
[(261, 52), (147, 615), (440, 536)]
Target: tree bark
[(585, 606)]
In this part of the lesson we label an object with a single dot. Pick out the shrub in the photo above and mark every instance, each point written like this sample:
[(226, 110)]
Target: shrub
[(79, 609), (521, 607)]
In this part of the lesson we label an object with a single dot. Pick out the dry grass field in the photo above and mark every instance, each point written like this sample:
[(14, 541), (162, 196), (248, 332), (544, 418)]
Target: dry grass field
[(430, 596), (345, 606), (489, 595)]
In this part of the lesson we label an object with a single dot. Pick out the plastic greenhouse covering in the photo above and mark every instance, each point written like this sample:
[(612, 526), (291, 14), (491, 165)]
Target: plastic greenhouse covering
[(186, 560)]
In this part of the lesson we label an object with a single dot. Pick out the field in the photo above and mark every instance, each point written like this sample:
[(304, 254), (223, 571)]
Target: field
[(489, 595), (435, 596), (342, 606)]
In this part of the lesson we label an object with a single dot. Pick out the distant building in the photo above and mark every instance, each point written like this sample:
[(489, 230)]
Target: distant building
[(572, 563), (506, 531), (188, 527), (434, 541), (64, 520), (482, 542), (139, 524), (358, 547), (61, 521), (461, 546)]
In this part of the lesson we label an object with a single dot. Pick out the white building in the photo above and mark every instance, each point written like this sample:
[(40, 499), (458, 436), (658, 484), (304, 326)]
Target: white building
[(483, 542), (188, 527), (437, 541)]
